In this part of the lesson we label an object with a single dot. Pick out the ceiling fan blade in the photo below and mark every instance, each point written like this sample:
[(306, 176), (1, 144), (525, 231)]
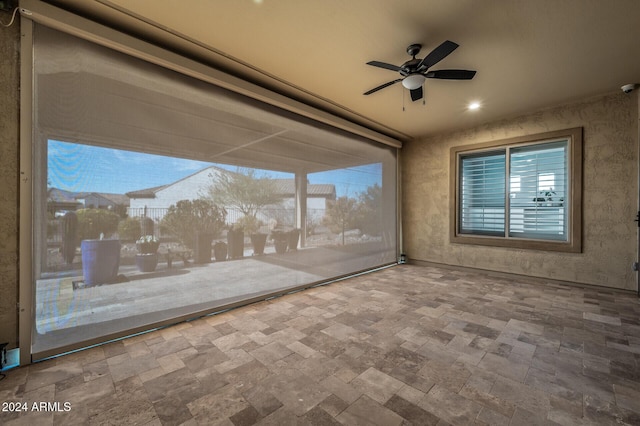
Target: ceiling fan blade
[(384, 65), (438, 54), (451, 74), (382, 86), (416, 94)]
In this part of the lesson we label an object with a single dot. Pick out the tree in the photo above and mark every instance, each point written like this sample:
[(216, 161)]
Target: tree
[(340, 215), (244, 191), (369, 210)]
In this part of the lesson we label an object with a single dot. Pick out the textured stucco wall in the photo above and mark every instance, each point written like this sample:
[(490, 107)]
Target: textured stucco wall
[(9, 106), (610, 194)]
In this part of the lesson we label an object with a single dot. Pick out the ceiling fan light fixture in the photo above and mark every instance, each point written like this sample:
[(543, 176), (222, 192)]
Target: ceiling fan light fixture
[(413, 81), (474, 106)]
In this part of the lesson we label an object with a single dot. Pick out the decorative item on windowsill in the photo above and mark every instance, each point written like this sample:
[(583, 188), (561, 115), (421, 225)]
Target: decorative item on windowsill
[(147, 257), (546, 198)]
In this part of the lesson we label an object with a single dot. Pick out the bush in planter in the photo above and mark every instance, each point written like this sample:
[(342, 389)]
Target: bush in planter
[(147, 244), (147, 257), (249, 224)]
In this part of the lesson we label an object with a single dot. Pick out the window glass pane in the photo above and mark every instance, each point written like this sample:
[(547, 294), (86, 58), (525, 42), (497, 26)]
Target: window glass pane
[(482, 194), (538, 209), (124, 149)]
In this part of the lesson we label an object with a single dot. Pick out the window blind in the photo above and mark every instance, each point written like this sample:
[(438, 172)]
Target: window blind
[(483, 194), (537, 204)]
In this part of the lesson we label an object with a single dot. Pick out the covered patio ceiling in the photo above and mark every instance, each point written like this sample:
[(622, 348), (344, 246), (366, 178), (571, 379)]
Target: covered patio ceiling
[(112, 99)]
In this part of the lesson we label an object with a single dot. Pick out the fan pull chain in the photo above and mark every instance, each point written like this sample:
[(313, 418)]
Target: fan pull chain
[(403, 100)]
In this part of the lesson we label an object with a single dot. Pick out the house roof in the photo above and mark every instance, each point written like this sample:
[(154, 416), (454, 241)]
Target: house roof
[(147, 192), (285, 187), (119, 199), (62, 196), (151, 192)]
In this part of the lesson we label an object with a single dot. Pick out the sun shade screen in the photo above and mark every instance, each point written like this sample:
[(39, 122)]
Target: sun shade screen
[(132, 149)]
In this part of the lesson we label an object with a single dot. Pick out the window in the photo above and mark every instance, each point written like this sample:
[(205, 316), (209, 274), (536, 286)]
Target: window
[(522, 193)]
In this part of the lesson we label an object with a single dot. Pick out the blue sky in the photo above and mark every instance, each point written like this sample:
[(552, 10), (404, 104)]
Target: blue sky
[(80, 168)]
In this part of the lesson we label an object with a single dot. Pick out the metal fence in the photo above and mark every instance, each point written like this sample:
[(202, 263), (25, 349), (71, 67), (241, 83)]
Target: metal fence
[(268, 218)]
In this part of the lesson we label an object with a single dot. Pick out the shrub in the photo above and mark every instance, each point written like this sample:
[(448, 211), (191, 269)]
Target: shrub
[(187, 218), (146, 226), (93, 222), (129, 229), (249, 224)]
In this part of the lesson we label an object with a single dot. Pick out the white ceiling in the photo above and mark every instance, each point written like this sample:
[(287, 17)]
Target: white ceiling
[(529, 54)]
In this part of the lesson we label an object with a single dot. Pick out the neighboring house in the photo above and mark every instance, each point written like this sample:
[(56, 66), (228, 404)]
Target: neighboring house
[(102, 200), (153, 202), (60, 201), (159, 198)]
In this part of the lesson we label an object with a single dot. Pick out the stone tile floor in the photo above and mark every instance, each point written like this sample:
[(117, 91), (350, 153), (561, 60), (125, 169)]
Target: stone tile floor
[(405, 345)]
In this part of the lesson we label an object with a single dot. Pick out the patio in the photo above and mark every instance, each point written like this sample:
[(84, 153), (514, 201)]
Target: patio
[(65, 316)]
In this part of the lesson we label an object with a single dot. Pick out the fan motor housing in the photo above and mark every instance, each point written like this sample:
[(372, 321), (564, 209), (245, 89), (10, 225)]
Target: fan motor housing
[(409, 67), (414, 49)]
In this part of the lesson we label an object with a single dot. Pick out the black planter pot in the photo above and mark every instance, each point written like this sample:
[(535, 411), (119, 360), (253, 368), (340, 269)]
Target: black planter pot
[(281, 246), (220, 251), (294, 238), (146, 262), (203, 248), (235, 240), (258, 241)]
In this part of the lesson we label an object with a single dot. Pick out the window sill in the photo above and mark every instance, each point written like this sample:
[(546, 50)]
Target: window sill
[(519, 243)]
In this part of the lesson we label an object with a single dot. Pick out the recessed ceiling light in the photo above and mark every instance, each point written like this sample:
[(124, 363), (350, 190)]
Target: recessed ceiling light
[(474, 106)]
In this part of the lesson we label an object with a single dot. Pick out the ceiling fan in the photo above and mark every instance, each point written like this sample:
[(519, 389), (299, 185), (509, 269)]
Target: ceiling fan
[(415, 71)]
